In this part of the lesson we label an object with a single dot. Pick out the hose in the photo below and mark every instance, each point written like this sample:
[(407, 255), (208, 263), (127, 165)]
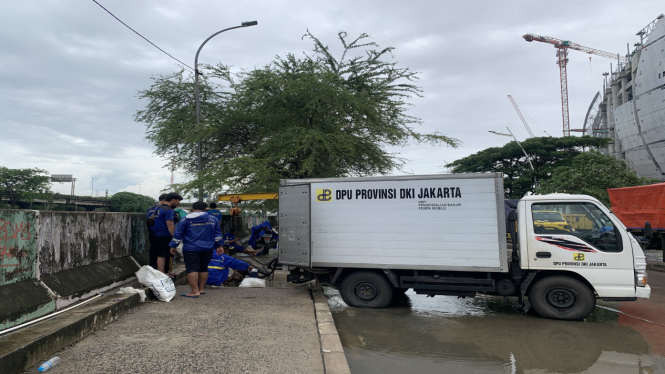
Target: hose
[(271, 267), (26, 324)]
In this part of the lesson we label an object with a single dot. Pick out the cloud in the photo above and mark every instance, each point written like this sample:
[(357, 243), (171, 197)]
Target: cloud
[(69, 72)]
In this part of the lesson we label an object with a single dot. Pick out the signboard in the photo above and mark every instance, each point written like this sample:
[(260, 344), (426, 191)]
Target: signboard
[(62, 178)]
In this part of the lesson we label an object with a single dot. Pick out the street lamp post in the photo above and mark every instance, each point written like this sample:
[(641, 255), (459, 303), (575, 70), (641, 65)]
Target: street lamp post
[(518, 143), (196, 85), (535, 181)]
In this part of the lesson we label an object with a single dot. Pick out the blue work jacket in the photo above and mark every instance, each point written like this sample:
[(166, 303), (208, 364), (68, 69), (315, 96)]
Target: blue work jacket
[(198, 232), (218, 269)]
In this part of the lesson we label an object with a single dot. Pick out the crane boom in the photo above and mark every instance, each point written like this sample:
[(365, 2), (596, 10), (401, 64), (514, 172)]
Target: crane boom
[(568, 44), (562, 47), (520, 114)]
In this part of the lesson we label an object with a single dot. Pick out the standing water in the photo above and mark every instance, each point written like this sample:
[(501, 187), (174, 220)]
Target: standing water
[(446, 334)]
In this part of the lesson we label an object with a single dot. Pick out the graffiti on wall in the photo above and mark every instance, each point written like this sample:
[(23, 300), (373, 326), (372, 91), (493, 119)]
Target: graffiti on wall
[(17, 245)]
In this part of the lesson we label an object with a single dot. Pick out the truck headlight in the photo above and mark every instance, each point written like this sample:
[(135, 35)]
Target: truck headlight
[(641, 278)]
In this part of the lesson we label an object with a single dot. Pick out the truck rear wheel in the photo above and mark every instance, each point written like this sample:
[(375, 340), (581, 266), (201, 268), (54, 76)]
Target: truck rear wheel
[(366, 289), (561, 297)]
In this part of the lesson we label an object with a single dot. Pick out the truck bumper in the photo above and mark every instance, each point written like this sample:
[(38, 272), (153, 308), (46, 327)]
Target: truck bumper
[(643, 292)]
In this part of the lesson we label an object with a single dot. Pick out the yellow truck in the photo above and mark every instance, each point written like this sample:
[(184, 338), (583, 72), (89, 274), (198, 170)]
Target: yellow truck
[(550, 222)]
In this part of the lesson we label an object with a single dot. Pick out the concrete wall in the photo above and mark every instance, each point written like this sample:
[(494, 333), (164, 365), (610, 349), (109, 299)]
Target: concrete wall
[(67, 240), (17, 245), (49, 260)]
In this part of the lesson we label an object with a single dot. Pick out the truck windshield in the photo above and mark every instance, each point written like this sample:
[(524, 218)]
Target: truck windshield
[(583, 220)]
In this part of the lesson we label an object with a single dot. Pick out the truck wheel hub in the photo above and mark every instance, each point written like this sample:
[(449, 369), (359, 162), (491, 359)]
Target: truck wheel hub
[(366, 291), (561, 298)]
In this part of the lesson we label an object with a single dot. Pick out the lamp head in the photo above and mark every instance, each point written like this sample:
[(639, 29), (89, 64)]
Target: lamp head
[(249, 23)]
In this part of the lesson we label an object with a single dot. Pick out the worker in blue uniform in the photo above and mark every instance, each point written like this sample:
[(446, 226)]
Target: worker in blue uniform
[(214, 212), (219, 266), (200, 235), (150, 221), (231, 241)]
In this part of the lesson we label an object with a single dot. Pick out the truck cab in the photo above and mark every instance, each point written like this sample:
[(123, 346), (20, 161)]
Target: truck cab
[(602, 253)]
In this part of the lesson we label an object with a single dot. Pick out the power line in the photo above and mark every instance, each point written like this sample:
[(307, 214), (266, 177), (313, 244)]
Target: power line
[(146, 39)]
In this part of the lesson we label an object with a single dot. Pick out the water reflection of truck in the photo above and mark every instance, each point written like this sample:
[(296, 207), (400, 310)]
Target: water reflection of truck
[(376, 237), (636, 205)]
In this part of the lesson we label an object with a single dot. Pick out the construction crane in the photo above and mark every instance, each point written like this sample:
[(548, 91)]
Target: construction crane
[(562, 47), (521, 117)]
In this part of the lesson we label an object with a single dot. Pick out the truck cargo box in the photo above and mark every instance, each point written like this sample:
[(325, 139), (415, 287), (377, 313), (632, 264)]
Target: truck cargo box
[(635, 205), (452, 222)]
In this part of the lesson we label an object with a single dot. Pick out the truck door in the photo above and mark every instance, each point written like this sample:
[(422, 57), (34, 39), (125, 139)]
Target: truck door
[(294, 225), (581, 237)]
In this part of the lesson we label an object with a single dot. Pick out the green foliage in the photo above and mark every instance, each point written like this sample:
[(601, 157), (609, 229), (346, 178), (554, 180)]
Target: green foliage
[(23, 185), (316, 116), (592, 173), (547, 154), (130, 202)]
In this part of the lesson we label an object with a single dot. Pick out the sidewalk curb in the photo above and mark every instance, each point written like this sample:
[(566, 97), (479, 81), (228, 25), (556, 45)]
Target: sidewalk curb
[(32, 345), (42, 346), (656, 266), (334, 359)]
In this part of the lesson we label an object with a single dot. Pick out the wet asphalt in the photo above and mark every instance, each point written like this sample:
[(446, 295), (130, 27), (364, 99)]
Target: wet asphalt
[(447, 334)]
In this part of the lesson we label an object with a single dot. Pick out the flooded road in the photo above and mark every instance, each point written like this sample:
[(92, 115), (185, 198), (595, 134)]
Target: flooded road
[(445, 334)]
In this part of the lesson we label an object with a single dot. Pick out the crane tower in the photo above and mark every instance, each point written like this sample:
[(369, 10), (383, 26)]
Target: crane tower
[(562, 47)]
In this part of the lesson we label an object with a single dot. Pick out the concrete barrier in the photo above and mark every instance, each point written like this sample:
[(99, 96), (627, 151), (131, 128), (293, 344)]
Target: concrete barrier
[(49, 260)]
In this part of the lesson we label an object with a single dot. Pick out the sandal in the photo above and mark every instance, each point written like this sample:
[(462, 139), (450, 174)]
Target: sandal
[(192, 296)]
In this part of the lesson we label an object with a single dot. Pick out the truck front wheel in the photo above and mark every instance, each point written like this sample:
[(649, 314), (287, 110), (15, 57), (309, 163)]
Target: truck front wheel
[(561, 297), (366, 289)]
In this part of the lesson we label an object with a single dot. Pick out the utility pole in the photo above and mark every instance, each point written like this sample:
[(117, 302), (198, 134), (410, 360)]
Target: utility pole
[(92, 187)]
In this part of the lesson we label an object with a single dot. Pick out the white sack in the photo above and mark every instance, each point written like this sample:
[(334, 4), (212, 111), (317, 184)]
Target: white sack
[(160, 284), (253, 283), (127, 290)]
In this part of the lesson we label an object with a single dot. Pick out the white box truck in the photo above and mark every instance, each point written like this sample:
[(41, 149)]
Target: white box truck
[(445, 234)]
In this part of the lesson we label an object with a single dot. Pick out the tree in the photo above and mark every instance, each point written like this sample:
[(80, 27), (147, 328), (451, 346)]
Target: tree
[(130, 202), (592, 173), (316, 116), (23, 185), (546, 155)]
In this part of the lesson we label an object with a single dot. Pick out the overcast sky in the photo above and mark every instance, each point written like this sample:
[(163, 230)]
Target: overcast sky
[(69, 72)]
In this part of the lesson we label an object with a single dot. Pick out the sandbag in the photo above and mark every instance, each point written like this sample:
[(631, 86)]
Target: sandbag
[(253, 283), (161, 285)]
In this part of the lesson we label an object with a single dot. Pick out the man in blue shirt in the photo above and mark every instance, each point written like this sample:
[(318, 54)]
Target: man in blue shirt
[(149, 217), (201, 235), (231, 240), (219, 268), (164, 228), (214, 212)]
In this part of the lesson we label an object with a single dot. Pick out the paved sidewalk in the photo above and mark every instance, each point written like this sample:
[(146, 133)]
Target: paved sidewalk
[(228, 330)]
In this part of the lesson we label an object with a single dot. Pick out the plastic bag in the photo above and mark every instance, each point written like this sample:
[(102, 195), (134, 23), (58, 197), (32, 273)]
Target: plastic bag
[(126, 290), (160, 284), (253, 283)]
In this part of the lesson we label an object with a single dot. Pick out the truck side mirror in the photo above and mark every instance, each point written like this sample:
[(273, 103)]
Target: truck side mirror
[(512, 216), (648, 231)]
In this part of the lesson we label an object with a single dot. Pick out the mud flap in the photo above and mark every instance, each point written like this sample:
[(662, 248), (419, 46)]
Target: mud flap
[(523, 287)]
